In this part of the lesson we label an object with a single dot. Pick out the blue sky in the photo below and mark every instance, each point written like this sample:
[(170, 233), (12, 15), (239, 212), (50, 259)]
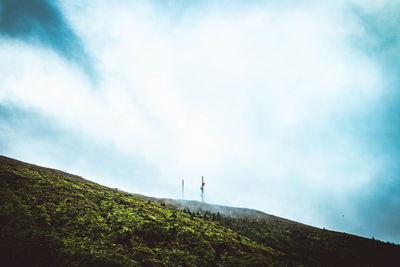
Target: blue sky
[(289, 107)]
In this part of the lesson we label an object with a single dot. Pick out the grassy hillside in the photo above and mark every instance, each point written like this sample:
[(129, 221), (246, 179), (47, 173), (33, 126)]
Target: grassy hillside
[(301, 243), (52, 218)]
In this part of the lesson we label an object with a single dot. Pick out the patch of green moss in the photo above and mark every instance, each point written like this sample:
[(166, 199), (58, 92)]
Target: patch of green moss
[(65, 220), (51, 218)]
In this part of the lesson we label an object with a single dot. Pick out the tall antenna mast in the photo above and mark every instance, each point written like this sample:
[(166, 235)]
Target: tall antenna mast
[(202, 188), (183, 189)]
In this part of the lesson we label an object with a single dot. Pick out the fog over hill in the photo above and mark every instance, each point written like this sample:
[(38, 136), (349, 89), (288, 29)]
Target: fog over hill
[(287, 107)]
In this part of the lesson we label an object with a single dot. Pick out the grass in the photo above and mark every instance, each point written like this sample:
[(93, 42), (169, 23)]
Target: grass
[(52, 218)]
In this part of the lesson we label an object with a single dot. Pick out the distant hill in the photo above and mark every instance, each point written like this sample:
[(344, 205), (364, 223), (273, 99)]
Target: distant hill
[(52, 218)]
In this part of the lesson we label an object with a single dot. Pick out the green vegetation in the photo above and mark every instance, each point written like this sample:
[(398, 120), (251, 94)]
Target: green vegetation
[(52, 218), (309, 245)]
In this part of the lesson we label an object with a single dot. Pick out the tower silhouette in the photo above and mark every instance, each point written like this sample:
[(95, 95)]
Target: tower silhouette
[(202, 188), (183, 189)]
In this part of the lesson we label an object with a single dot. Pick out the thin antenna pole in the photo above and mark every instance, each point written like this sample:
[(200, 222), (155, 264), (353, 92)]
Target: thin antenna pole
[(202, 188), (183, 189)]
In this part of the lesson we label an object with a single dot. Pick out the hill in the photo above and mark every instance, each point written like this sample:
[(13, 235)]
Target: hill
[(52, 218)]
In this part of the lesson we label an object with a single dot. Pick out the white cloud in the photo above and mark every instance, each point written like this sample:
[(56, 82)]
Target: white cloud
[(251, 98)]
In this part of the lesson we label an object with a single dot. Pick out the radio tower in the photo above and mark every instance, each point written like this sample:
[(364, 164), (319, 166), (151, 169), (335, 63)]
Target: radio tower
[(183, 189), (202, 188)]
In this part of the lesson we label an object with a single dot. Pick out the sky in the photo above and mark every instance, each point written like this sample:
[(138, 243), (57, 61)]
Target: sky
[(288, 107)]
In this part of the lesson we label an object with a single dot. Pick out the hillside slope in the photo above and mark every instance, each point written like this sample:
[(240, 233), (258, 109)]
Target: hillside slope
[(52, 218), (299, 242)]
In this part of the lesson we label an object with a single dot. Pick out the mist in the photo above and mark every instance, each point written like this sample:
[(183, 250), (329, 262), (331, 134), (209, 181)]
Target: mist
[(288, 107)]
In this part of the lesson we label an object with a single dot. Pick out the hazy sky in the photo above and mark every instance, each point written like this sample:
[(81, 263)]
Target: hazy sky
[(289, 107)]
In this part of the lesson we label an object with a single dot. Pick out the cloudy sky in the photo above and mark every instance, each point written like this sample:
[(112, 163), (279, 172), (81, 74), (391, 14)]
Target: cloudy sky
[(289, 107)]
